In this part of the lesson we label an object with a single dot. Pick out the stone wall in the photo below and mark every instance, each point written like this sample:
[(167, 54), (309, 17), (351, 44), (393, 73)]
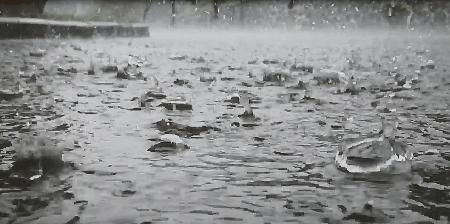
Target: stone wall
[(22, 8), (96, 10)]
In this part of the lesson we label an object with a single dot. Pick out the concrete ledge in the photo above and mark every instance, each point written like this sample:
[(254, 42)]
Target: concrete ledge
[(17, 28)]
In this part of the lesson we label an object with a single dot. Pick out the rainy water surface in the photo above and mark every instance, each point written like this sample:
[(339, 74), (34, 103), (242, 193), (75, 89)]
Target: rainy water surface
[(278, 169)]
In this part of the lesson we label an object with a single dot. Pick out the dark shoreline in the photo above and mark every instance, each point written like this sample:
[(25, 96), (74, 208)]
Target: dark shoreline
[(24, 28)]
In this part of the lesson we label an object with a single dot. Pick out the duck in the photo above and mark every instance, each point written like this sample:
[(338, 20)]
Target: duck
[(374, 154)]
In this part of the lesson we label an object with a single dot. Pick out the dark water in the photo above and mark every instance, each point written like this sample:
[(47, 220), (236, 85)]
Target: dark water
[(279, 170)]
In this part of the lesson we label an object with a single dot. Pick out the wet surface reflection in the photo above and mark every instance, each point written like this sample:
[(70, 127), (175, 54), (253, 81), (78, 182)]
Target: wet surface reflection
[(278, 168)]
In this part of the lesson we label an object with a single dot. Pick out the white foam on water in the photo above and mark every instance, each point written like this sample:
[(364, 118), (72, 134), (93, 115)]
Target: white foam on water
[(172, 138)]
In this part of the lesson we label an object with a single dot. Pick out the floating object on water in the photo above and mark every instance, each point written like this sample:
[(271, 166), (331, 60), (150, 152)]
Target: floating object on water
[(302, 68), (178, 57), (428, 65), (267, 61), (110, 68), (368, 214), (198, 60), (170, 127), (172, 138), (169, 143), (207, 79), (278, 77), (400, 80), (7, 94), (422, 52), (328, 76), (233, 98), (300, 86), (373, 154), (66, 70), (252, 62), (180, 82), (156, 93), (176, 103), (151, 95), (10, 94), (4, 143), (38, 53), (231, 68), (35, 156)]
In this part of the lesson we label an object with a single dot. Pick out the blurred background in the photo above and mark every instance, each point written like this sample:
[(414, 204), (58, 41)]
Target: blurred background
[(292, 14)]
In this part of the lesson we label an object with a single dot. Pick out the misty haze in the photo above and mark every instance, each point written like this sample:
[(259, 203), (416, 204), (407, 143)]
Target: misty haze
[(224, 111)]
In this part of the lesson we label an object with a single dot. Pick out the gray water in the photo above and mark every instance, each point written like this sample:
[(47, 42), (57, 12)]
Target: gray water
[(280, 170)]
